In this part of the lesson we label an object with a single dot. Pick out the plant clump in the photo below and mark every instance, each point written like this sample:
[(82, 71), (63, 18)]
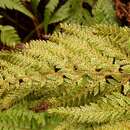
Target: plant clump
[(77, 80)]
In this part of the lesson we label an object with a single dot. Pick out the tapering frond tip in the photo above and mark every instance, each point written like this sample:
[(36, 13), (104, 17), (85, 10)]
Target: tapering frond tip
[(15, 4)]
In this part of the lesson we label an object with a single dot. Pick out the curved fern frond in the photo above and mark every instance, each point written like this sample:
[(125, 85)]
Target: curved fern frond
[(9, 36), (15, 4), (111, 35), (113, 108)]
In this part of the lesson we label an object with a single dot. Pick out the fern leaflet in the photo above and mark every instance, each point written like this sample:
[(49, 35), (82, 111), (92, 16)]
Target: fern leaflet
[(9, 36), (15, 4)]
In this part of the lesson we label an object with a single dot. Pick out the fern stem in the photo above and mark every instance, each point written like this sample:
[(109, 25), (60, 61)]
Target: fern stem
[(37, 28), (13, 21)]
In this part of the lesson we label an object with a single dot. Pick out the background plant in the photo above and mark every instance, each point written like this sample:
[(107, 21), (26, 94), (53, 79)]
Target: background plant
[(34, 19)]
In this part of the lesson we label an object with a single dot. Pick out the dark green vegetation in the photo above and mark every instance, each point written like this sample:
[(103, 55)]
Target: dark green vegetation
[(23, 20), (78, 80)]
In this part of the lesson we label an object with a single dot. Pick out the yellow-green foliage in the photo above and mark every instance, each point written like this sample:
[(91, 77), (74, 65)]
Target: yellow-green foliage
[(80, 77)]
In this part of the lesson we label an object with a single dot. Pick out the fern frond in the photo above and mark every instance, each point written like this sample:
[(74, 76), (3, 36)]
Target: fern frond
[(78, 14), (104, 12), (73, 62), (84, 91), (123, 125), (62, 13), (116, 36), (49, 9), (34, 4), (73, 11), (111, 38), (15, 4), (19, 118), (9, 36), (113, 108)]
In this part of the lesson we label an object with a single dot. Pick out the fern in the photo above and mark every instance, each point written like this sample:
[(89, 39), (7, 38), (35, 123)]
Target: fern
[(113, 108), (74, 12), (34, 4), (9, 36), (19, 118), (104, 12), (107, 107), (62, 13), (15, 4), (81, 81), (78, 13), (50, 7)]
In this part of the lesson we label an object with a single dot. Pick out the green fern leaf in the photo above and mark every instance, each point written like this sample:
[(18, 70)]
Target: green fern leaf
[(49, 9), (19, 118), (78, 14), (15, 4), (62, 13), (9, 36), (104, 12)]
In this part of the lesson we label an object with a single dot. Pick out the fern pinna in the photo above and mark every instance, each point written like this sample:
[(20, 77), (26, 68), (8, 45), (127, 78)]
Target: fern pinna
[(77, 80)]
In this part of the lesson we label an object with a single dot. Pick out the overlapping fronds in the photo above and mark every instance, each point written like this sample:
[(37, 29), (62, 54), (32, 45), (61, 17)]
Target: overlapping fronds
[(105, 113), (78, 14), (81, 74), (19, 118), (82, 12), (101, 12)]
